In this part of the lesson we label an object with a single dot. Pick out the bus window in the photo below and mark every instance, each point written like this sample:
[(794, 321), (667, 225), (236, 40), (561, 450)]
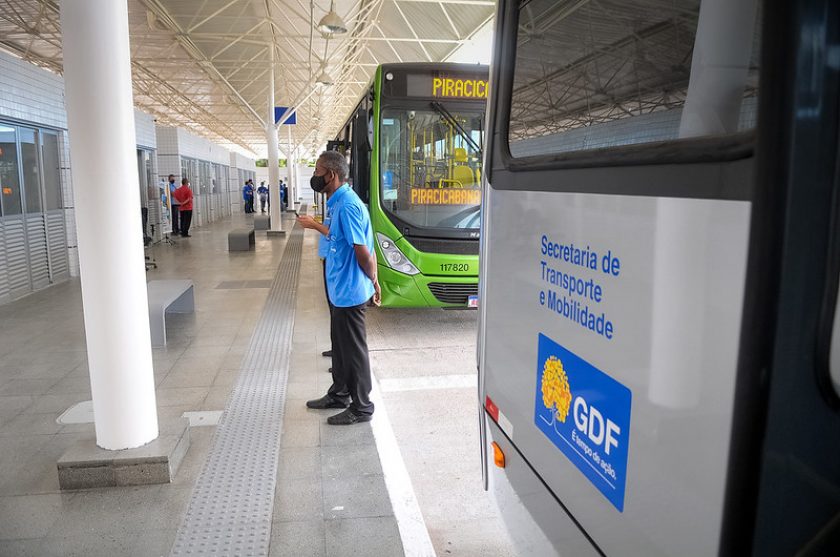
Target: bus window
[(431, 166), (613, 73)]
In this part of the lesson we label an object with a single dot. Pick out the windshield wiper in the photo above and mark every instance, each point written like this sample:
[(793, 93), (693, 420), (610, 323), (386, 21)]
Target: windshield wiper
[(454, 123)]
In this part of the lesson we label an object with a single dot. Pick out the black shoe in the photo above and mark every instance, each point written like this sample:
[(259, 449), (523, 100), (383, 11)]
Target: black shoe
[(186, 235), (348, 417), (327, 353), (325, 402)]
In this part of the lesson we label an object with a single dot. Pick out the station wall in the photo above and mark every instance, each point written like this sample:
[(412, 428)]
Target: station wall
[(38, 241)]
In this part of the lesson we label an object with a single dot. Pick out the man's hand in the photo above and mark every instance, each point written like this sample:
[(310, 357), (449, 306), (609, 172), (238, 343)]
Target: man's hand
[(377, 293), (307, 221)]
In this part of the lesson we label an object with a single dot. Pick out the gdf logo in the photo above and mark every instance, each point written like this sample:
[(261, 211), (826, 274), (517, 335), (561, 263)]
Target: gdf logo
[(585, 414), (590, 422), (557, 396)]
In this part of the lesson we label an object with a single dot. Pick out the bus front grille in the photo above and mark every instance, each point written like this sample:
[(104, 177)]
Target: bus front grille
[(453, 293), (444, 245)]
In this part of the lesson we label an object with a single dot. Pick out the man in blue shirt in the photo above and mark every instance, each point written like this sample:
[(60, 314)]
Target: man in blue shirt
[(263, 192), (351, 282), (248, 196)]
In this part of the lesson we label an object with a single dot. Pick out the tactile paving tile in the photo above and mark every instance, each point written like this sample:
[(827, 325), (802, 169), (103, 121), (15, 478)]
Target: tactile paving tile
[(232, 503)]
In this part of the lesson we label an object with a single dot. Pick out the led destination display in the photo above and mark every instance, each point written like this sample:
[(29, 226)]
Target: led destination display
[(436, 196)]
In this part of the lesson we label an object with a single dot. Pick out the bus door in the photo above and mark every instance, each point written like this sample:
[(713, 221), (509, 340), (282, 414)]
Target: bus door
[(614, 271), (659, 344)]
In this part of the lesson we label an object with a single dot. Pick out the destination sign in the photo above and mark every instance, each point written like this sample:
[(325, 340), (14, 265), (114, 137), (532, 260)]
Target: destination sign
[(439, 86), (437, 196), (459, 88)]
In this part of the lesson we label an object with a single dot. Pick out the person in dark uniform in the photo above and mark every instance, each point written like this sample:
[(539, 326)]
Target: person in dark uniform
[(175, 209), (351, 283)]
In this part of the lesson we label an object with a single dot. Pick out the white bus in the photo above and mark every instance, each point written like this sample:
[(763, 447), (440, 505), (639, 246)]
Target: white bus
[(660, 251)]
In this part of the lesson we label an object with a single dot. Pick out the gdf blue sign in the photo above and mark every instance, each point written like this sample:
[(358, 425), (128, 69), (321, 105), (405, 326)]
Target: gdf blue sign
[(586, 414)]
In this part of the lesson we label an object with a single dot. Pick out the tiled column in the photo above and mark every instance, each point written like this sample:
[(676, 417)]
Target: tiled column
[(97, 73)]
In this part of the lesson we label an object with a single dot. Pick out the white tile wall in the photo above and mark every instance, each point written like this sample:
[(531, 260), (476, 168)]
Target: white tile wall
[(144, 125), (169, 164), (189, 145), (237, 162), (241, 161), (31, 94)]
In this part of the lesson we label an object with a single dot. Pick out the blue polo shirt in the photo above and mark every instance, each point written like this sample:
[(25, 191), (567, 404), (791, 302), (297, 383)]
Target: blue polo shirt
[(347, 283), (323, 241)]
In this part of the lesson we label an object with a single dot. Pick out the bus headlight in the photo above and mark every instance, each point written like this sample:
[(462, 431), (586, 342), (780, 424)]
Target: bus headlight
[(394, 257)]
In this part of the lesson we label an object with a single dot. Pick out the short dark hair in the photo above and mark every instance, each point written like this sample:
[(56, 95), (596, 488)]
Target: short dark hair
[(184, 181), (171, 176), (335, 161)]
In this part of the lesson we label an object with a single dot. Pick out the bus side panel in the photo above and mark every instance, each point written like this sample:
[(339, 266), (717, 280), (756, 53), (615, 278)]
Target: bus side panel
[(627, 418), (534, 520)]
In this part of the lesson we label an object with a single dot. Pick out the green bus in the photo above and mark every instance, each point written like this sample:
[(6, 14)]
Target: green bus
[(415, 145)]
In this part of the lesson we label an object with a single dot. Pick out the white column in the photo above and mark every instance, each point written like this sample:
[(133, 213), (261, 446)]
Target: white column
[(292, 168), (273, 153), (100, 118), (722, 48), (719, 66)]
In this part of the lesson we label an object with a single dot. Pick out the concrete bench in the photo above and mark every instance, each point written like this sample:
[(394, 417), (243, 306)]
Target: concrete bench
[(174, 296), (241, 239), (262, 222)]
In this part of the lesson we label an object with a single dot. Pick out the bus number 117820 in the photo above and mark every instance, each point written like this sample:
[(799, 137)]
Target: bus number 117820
[(457, 267)]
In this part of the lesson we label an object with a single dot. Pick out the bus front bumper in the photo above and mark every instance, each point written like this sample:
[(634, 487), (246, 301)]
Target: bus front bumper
[(400, 290)]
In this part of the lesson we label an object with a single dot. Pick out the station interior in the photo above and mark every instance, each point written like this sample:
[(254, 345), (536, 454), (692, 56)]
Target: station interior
[(407, 483), (534, 219)]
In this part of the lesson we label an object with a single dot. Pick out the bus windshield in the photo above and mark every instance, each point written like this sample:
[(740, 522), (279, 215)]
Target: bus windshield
[(431, 165)]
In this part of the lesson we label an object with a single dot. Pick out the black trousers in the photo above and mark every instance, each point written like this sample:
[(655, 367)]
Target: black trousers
[(176, 210), (351, 365), (327, 295), (186, 219)]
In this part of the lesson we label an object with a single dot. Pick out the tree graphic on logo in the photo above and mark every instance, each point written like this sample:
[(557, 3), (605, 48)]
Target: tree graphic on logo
[(556, 393)]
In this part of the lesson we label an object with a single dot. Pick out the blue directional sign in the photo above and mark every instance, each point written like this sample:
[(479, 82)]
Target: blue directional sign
[(278, 113)]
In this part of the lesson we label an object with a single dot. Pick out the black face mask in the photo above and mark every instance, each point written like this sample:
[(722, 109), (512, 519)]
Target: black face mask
[(318, 183)]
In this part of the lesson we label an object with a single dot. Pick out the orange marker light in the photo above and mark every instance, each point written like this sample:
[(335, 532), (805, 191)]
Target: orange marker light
[(498, 455)]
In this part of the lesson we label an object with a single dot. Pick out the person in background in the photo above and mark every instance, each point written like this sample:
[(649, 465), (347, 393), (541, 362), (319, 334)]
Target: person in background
[(351, 282), (248, 196), (184, 195), (283, 194), (175, 206), (263, 193)]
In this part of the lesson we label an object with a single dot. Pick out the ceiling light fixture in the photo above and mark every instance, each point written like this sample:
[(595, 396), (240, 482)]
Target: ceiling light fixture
[(332, 23)]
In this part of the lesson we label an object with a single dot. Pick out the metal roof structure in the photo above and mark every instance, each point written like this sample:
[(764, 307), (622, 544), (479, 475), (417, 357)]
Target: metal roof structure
[(203, 65), (610, 59)]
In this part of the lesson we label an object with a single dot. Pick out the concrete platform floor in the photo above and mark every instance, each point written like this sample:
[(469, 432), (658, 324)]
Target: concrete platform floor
[(423, 360)]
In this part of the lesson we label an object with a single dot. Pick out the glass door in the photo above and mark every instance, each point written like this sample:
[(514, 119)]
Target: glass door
[(54, 206), (14, 225), (36, 228)]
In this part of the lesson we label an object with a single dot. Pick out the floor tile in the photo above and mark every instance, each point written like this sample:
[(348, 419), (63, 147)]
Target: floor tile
[(372, 537), (298, 538)]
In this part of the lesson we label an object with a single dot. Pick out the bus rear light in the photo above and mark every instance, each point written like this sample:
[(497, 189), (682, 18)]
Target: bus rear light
[(498, 455), (492, 409), (394, 257)]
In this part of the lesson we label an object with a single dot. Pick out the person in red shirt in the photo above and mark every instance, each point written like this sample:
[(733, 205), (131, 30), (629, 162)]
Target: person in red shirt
[(184, 195)]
